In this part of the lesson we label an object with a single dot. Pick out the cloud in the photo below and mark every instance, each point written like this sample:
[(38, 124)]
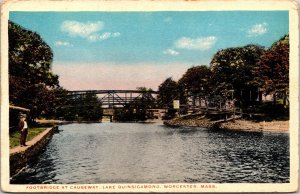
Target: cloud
[(63, 43), (75, 28), (201, 43), (88, 30), (257, 30), (171, 52), (103, 36)]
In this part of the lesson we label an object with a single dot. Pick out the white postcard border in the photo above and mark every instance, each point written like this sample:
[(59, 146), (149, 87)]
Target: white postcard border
[(178, 5)]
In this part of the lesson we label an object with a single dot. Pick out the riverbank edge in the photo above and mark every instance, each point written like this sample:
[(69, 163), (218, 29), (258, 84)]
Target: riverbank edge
[(237, 125), (20, 156)]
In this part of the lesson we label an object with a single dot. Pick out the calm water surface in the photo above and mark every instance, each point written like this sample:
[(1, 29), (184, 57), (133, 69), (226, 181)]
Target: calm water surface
[(153, 153)]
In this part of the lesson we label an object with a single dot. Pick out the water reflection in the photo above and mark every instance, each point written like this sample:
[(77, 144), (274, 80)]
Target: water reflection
[(153, 153)]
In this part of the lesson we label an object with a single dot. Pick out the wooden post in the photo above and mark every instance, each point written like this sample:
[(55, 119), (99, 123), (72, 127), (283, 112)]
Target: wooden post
[(113, 99), (233, 114)]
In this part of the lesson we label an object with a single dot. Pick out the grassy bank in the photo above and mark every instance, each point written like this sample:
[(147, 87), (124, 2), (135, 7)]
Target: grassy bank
[(14, 138)]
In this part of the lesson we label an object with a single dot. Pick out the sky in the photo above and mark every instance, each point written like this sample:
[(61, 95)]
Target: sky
[(126, 50)]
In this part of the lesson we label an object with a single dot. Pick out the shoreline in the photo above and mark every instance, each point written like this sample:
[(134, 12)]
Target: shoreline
[(251, 126), (242, 125), (61, 122), (20, 156)]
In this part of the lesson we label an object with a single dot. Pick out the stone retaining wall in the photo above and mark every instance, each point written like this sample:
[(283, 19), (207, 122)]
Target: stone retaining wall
[(20, 156)]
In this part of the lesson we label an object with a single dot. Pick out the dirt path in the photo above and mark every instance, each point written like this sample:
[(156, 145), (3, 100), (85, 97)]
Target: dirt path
[(29, 143)]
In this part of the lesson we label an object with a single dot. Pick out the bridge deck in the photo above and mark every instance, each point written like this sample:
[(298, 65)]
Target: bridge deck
[(109, 91)]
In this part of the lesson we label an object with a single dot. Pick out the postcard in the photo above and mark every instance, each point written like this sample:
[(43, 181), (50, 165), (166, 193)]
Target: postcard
[(149, 96)]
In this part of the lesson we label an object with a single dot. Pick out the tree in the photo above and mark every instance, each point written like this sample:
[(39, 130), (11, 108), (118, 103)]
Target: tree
[(81, 107), (137, 109), (232, 71), (91, 108), (146, 101), (167, 92), (195, 83), (30, 77), (272, 73)]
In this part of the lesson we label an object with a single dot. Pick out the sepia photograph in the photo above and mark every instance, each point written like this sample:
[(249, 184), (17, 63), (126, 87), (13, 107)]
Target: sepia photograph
[(149, 96)]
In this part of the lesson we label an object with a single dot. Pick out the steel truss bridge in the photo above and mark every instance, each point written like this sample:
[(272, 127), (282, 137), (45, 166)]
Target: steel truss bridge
[(117, 98), (114, 99)]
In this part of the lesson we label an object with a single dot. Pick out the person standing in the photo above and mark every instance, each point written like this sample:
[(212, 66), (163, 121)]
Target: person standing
[(23, 127)]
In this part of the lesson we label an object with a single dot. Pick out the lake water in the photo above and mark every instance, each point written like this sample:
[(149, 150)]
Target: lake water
[(154, 153)]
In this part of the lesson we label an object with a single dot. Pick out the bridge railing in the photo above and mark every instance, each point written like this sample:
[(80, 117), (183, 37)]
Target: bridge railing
[(116, 97)]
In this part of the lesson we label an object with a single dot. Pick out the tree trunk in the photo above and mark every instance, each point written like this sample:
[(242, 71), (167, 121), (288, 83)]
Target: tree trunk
[(274, 98), (260, 93), (206, 105), (284, 98)]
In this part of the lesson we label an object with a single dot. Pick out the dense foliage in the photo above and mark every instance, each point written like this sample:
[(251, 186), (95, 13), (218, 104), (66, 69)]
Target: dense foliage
[(272, 73), (196, 83), (30, 77), (33, 85), (82, 108), (242, 74), (168, 91), (137, 110), (232, 70)]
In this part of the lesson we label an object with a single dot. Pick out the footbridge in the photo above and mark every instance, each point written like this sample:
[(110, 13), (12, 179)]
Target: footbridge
[(115, 99)]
